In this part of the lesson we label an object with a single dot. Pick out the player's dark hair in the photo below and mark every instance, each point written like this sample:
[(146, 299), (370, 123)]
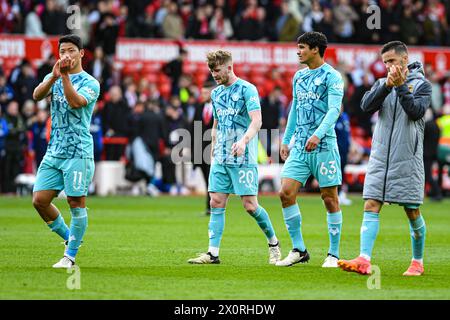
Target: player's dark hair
[(314, 40), (398, 46), (76, 40)]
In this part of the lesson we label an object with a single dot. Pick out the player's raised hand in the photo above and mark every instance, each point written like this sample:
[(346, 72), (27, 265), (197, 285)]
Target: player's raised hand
[(55, 71), (402, 72), (390, 80), (284, 151), (312, 143), (238, 148)]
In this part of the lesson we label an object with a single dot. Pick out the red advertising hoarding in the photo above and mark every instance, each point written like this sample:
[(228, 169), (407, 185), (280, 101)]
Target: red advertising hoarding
[(14, 48)]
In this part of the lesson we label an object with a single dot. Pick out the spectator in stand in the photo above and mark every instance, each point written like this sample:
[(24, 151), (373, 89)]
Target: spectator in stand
[(53, 19), (446, 89), (201, 152), (435, 23), (6, 93), (430, 151), (100, 69), (198, 26), (410, 31), (287, 26), (362, 33), (154, 95), (444, 148), (174, 120), (146, 132), (28, 112), (33, 25), (3, 134), (271, 111), (135, 13), (437, 97), (114, 115), (221, 26), (39, 134), (106, 35), (342, 130), (131, 94), (313, 18), (46, 67), (85, 27), (390, 18), (15, 144), (96, 130), (344, 18), (25, 84), (174, 69), (363, 119), (172, 26)]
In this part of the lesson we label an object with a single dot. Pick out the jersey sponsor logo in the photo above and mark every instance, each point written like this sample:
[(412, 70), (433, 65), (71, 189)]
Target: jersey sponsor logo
[(226, 112), (59, 98), (307, 95)]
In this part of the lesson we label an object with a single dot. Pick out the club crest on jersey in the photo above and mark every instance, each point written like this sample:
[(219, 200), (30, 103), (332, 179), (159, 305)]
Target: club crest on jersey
[(235, 97), (317, 81), (410, 88)]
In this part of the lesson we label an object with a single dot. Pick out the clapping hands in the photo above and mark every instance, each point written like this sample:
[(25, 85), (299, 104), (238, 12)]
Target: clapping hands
[(396, 76)]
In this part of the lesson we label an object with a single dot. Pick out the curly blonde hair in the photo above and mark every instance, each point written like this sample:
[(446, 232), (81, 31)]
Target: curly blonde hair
[(218, 58)]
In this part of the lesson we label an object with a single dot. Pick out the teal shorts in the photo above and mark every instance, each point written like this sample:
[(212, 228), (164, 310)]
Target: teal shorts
[(242, 181), (71, 175), (324, 166), (410, 205)]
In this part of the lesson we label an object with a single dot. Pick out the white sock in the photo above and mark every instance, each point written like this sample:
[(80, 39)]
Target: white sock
[(365, 257), (273, 240), (418, 260), (214, 251)]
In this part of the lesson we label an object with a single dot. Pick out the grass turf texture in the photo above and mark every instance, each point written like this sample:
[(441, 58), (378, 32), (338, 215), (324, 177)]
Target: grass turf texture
[(137, 248)]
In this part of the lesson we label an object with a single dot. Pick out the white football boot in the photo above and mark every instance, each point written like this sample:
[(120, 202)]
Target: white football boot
[(330, 262), (294, 256), (64, 263)]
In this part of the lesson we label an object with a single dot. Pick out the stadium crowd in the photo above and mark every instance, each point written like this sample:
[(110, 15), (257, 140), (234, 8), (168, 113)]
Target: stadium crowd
[(129, 107), (415, 22)]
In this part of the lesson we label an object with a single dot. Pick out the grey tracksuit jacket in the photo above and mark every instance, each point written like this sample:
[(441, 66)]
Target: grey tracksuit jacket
[(395, 171)]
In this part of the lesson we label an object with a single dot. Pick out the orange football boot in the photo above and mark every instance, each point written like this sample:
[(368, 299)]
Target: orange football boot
[(415, 269), (359, 265)]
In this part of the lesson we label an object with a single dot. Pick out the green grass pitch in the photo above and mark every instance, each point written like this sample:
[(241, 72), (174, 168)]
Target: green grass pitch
[(136, 248)]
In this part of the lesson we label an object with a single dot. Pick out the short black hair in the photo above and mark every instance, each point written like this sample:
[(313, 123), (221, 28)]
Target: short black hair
[(76, 40), (398, 46), (314, 40)]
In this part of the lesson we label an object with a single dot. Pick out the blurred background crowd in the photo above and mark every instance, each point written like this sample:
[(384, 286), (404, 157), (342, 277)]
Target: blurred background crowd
[(415, 22), (131, 106)]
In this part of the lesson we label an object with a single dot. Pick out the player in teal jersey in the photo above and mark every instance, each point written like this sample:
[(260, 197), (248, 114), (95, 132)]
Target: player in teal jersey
[(69, 161), (316, 102), (237, 120)]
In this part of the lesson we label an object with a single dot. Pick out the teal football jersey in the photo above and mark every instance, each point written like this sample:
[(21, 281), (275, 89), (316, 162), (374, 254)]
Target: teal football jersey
[(231, 107), (316, 102), (70, 136)]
